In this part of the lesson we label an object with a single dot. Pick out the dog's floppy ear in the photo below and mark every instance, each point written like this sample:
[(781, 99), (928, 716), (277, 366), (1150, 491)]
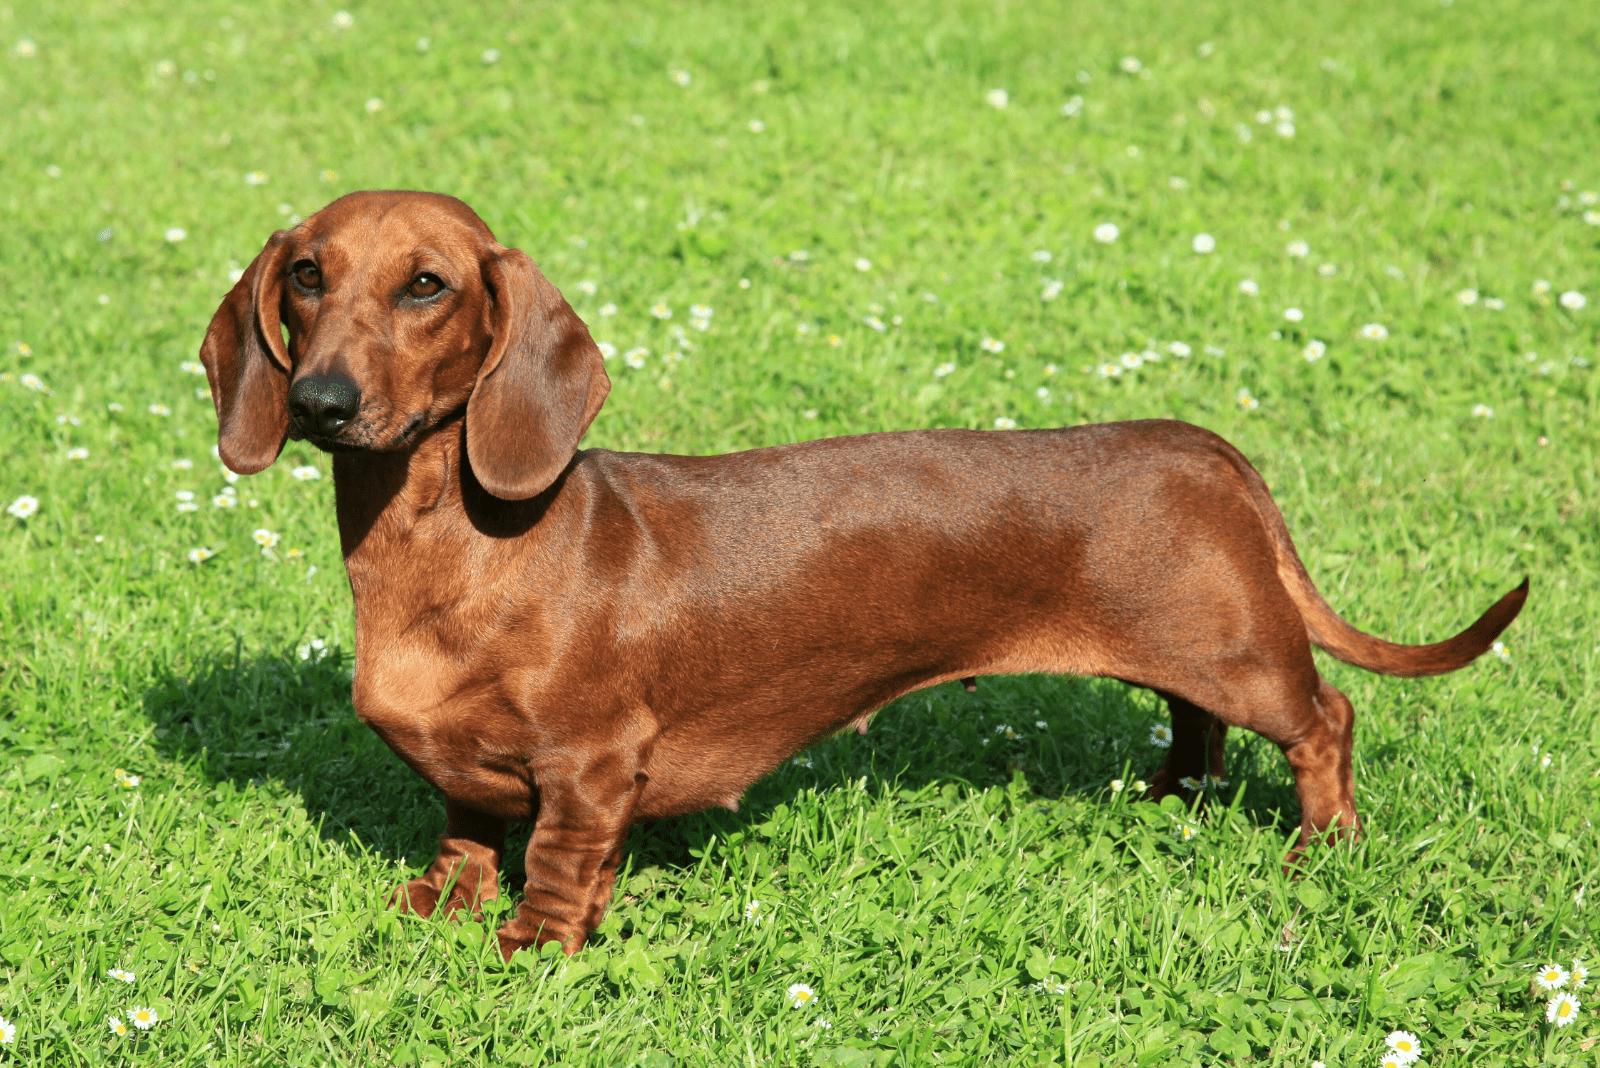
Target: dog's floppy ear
[(248, 366), (538, 389)]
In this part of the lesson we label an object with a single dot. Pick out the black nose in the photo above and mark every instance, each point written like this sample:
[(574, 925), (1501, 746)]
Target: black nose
[(321, 404)]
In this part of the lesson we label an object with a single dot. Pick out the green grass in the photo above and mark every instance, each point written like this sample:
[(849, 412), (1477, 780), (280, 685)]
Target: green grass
[(951, 902)]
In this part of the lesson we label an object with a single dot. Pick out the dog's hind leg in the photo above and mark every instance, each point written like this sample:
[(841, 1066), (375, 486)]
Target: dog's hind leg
[(1195, 759), (467, 868), (1313, 724), (1320, 752)]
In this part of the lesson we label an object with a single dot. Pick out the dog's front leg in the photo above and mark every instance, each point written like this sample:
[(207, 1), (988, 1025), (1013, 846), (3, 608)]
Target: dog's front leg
[(572, 857), (468, 865)]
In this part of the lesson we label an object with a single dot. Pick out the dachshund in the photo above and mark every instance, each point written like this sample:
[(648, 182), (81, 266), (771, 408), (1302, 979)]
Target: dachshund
[(583, 638)]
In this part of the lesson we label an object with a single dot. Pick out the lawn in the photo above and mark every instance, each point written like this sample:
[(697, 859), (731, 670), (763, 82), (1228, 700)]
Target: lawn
[(1361, 241)]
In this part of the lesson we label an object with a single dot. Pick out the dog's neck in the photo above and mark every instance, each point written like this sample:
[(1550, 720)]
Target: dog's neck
[(383, 495), (391, 504)]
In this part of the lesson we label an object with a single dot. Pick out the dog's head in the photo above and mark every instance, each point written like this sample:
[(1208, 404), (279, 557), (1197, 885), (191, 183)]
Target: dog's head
[(401, 308)]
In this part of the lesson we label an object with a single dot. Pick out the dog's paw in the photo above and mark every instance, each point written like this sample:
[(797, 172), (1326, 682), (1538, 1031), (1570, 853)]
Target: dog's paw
[(528, 931), (416, 898)]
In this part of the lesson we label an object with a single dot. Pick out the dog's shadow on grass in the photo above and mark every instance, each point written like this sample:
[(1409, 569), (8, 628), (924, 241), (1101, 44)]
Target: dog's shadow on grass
[(286, 724)]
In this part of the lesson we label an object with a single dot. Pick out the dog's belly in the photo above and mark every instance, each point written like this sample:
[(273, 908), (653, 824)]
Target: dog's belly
[(709, 755)]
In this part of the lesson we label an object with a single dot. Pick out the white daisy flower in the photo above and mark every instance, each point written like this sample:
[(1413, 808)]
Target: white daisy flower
[(757, 126), (1187, 831), (1374, 331), (1161, 736), (307, 473), (1117, 786), (1298, 249), (997, 98), (225, 500), (1188, 782), (1043, 393), (753, 912), (863, 264), (1073, 106), (876, 323), (1551, 977), (160, 409), (1285, 129), (1482, 411), (78, 453), (1109, 370), (1572, 300), (1562, 1009), (118, 1026), (944, 369), (1204, 243), (1327, 270), (1130, 65), (1131, 360), (33, 382), (1315, 350), (1294, 315), (680, 77), (143, 1018), (1041, 256), (24, 506), (312, 650), (990, 344), (608, 310), (800, 995), (176, 234), (1541, 287), (1005, 423), (343, 20), (1179, 349), (1403, 1046), (1007, 730), (1580, 975), (607, 349), (491, 56), (120, 974), (1052, 289), (660, 311), (1468, 297), (1244, 400), (265, 538), (1106, 233), (200, 556), (1249, 288), (8, 1032)]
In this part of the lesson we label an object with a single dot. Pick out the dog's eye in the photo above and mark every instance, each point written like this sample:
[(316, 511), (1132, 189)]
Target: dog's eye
[(424, 286), (306, 273)]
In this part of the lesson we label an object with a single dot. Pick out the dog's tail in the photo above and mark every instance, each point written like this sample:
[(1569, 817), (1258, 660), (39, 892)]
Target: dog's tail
[(1339, 639)]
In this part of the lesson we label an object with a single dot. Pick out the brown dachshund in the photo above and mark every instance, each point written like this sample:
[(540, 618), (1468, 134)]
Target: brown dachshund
[(584, 639)]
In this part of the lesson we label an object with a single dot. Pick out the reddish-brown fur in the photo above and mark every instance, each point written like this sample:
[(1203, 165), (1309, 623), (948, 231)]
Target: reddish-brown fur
[(588, 638)]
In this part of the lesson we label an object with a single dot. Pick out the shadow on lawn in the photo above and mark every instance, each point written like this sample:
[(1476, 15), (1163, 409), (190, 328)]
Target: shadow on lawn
[(284, 723)]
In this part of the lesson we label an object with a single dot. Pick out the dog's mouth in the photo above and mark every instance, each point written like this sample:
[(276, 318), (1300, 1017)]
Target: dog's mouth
[(359, 435)]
